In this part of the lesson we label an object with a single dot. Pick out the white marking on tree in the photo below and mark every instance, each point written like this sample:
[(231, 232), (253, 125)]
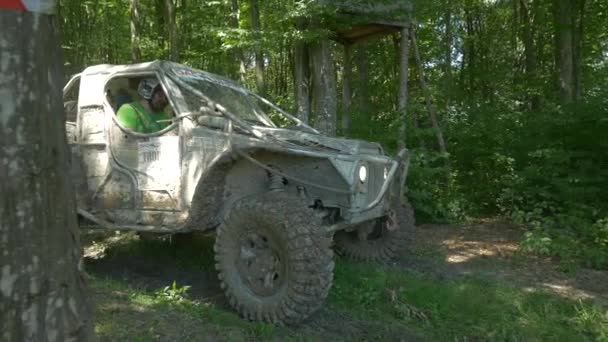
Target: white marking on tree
[(7, 281)]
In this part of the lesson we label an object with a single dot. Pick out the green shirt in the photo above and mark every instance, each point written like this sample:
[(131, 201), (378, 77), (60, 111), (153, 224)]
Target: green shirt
[(135, 117)]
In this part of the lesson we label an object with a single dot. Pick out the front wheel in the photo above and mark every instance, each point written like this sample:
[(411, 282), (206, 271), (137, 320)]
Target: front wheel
[(274, 261)]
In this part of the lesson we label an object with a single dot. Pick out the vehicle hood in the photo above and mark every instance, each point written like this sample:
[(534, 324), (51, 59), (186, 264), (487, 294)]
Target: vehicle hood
[(305, 140)]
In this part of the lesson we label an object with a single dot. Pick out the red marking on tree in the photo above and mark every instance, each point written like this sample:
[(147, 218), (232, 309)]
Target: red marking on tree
[(12, 4)]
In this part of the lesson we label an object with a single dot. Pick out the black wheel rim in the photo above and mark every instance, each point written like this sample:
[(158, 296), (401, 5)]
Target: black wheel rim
[(259, 264)]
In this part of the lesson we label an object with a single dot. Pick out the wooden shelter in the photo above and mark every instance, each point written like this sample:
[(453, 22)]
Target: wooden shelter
[(356, 21), (367, 19)]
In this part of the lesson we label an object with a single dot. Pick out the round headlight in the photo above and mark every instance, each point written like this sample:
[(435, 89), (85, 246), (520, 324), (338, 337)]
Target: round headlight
[(363, 173)]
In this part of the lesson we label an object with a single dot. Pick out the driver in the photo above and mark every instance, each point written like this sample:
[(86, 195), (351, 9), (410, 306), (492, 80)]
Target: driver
[(145, 115)]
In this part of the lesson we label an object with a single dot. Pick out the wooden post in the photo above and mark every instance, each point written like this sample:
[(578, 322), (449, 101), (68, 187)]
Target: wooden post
[(347, 95), (427, 96), (302, 80), (403, 73), (324, 87)]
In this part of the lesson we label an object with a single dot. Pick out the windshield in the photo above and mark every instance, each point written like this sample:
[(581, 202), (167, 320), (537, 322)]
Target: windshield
[(222, 91)]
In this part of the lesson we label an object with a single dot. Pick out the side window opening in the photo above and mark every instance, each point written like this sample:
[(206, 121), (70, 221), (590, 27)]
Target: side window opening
[(70, 100), (142, 119), (121, 90)]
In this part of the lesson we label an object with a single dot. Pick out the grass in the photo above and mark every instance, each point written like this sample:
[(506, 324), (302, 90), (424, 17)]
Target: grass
[(364, 299), (465, 309)]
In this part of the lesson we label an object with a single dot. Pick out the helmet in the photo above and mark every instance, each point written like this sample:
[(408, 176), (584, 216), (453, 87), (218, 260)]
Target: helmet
[(146, 87)]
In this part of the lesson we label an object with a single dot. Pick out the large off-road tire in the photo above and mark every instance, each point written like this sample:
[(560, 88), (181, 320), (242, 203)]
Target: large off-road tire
[(380, 240), (275, 263)]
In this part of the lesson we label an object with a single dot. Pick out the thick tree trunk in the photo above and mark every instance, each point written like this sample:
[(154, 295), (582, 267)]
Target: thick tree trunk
[(403, 53), (135, 52), (324, 87), (172, 30), (564, 49), (42, 284), (427, 96), (347, 88), (254, 11)]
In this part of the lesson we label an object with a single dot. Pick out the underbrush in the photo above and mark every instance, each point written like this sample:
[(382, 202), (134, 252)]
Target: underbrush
[(547, 170)]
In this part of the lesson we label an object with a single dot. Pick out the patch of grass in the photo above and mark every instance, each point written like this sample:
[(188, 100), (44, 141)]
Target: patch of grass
[(126, 313), (464, 309)]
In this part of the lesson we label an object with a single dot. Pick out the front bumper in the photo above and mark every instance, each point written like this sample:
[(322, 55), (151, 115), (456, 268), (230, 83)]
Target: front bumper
[(383, 191), (394, 181)]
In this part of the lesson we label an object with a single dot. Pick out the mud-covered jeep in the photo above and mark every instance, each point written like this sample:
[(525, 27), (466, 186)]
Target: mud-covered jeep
[(276, 191)]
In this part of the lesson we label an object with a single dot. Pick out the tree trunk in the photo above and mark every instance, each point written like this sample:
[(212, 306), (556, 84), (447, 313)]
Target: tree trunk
[(363, 95), (403, 53), (135, 52), (172, 30), (564, 49), (346, 89), (578, 18), (448, 52), (427, 97), (302, 78), (254, 11), (530, 55), (42, 284), (235, 16), (324, 87)]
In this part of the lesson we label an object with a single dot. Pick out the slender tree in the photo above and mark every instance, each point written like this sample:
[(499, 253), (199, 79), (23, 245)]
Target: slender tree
[(235, 16), (170, 20), (254, 11), (302, 75), (135, 51), (402, 53), (529, 51), (564, 49), (347, 95)]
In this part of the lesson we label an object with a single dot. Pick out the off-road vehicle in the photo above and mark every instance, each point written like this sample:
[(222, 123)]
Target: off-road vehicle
[(276, 190)]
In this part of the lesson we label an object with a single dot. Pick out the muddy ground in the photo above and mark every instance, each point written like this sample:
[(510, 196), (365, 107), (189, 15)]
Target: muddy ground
[(485, 249)]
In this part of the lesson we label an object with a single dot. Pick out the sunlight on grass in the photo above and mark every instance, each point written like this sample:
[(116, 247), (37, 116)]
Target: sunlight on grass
[(127, 313), (465, 308)]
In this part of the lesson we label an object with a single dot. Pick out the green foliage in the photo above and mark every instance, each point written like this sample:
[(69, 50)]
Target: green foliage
[(433, 189), (173, 293)]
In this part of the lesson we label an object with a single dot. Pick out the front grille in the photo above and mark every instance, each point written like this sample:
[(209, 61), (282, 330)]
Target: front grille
[(375, 180)]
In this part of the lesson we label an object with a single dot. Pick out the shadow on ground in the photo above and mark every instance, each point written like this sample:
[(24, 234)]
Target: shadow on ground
[(489, 249)]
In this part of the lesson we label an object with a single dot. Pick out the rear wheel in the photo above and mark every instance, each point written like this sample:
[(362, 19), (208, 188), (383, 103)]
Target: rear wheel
[(275, 263), (379, 240)]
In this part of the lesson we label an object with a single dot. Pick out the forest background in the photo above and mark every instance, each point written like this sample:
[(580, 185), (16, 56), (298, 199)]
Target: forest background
[(519, 87)]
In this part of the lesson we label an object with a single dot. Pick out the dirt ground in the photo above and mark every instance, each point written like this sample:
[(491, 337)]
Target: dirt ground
[(489, 249), (486, 249)]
